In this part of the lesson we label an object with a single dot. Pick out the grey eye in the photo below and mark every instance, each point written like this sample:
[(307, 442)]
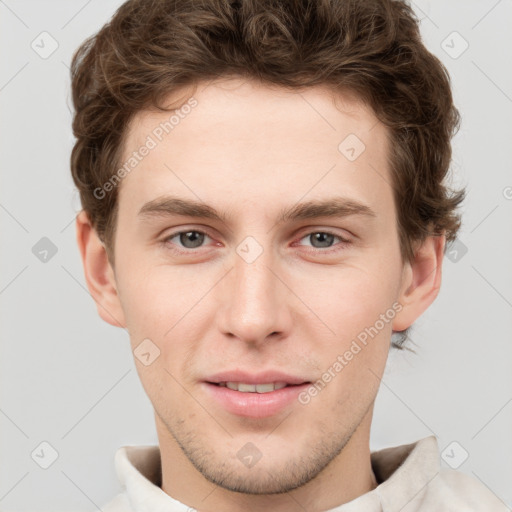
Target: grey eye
[(320, 239), (190, 239)]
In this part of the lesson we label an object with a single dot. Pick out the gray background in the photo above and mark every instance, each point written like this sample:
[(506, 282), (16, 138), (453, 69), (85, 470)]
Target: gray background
[(69, 379)]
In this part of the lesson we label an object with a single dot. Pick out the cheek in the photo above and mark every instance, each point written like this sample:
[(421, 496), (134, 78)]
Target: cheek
[(348, 297), (164, 306), (154, 298), (159, 383), (356, 303), (353, 362)]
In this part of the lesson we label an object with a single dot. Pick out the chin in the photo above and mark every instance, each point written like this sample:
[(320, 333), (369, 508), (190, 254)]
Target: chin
[(261, 481)]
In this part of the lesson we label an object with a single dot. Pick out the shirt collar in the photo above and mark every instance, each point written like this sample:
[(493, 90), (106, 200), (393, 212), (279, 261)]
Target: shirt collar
[(401, 471)]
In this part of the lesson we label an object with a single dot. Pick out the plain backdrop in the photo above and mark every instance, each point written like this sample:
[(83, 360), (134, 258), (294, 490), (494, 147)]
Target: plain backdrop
[(68, 379)]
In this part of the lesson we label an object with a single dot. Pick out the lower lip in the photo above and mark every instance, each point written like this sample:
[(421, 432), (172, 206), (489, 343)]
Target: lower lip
[(254, 405)]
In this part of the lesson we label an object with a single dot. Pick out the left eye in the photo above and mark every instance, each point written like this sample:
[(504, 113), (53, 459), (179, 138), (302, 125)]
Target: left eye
[(322, 239)]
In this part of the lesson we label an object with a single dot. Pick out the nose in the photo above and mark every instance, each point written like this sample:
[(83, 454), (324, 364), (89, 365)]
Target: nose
[(253, 302)]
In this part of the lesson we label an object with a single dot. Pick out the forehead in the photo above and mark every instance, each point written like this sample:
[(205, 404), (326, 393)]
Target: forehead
[(237, 139), (251, 105)]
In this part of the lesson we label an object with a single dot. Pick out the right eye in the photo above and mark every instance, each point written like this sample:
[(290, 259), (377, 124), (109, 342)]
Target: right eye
[(189, 239)]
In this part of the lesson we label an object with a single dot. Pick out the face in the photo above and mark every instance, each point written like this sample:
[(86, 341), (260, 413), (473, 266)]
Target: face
[(299, 264)]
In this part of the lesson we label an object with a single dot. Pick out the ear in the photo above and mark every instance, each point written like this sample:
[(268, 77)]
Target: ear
[(421, 281), (99, 274)]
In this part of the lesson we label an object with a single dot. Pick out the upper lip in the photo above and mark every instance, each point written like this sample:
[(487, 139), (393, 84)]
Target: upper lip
[(255, 378)]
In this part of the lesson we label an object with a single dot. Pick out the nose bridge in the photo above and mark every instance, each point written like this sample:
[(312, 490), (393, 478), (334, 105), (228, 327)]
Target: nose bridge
[(254, 303)]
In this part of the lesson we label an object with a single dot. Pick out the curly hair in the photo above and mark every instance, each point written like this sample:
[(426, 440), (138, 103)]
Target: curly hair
[(372, 48)]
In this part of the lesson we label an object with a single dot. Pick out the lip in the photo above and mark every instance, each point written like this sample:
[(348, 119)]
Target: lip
[(254, 405), (255, 378)]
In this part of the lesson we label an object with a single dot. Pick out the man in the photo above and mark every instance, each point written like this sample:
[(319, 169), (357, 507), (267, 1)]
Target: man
[(264, 208)]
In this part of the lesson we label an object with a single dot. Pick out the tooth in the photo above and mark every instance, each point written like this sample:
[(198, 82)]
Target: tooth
[(253, 388), (246, 387), (264, 388)]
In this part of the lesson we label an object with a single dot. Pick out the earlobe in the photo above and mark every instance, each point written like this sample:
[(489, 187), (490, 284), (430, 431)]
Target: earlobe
[(98, 272), (421, 281)]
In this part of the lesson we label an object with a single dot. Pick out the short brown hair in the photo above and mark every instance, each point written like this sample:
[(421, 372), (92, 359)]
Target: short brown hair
[(372, 48)]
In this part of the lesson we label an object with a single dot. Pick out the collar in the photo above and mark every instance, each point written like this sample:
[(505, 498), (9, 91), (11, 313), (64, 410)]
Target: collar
[(402, 472)]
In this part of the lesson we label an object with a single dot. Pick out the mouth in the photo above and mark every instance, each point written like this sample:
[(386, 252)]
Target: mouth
[(254, 396), (254, 388)]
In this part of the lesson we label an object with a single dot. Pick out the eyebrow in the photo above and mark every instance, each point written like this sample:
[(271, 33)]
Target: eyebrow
[(331, 207)]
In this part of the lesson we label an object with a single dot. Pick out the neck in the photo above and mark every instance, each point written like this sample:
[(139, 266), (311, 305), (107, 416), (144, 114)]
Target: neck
[(348, 476)]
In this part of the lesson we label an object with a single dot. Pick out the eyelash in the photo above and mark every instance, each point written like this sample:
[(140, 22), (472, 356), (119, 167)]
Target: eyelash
[(343, 241)]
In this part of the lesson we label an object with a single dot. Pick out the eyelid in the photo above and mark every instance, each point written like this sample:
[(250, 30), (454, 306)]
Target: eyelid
[(309, 230), (166, 238), (336, 248)]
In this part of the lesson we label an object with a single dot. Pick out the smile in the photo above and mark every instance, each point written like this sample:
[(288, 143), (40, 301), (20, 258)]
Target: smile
[(253, 388)]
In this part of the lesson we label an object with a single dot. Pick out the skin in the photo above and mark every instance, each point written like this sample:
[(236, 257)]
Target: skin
[(249, 151)]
